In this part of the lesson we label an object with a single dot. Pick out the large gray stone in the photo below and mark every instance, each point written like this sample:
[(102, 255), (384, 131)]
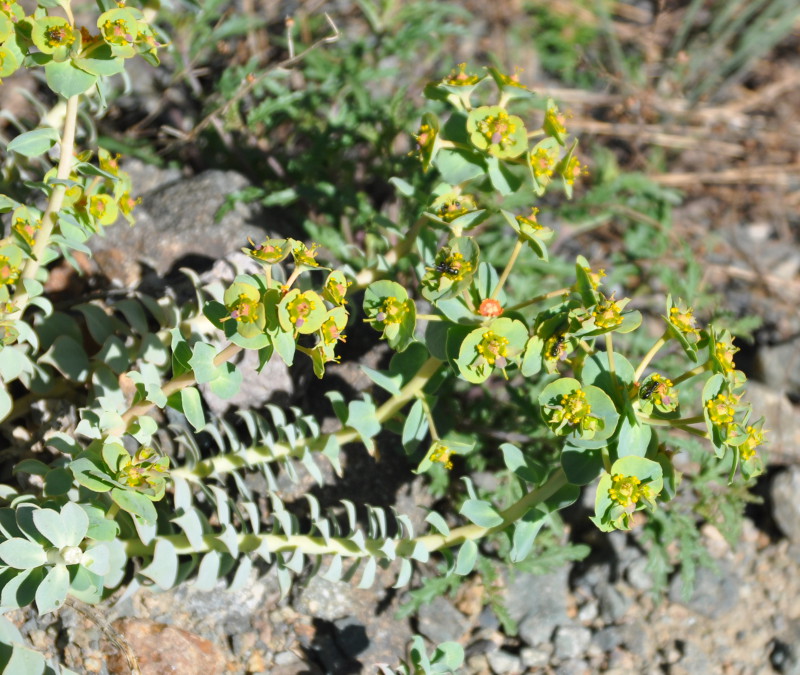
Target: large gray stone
[(538, 603)]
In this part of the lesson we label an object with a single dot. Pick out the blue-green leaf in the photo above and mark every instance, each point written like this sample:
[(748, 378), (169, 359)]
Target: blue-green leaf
[(34, 143)]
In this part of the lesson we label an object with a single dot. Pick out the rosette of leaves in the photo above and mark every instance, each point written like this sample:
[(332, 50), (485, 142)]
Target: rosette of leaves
[(535, 235), (391, 311), (453, 269), (45, 556), (578, 412), (496, 345), (492, 130), (632, 485)]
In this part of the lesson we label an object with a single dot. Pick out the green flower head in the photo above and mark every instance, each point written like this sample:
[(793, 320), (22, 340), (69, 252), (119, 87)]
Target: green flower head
[(54, 35), (492, 129)]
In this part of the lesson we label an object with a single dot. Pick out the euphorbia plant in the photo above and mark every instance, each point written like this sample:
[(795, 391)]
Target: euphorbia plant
[(102, 492)]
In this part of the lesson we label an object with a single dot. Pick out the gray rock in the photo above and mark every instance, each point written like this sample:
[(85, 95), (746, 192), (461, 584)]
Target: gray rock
[(502, 662), (573, 667), (693, 662), (778, 367), (785, 507), (613, 605), (783, 421), (440, 622), (571, 642), (538, 603), (608, 638), (533, 658), (638, 576), (715, 592), (785, 653), (175, 221)]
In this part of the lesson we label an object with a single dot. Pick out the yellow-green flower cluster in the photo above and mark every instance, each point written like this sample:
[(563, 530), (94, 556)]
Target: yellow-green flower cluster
[(494, 349), (627, 491), (607, 313), (721, 409), (440, 453), (459, 77)]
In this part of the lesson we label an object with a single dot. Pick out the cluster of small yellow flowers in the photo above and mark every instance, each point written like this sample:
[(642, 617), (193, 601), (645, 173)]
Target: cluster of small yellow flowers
[(724, 352), (27, 229), (721, 409), (8, 272), (144, 469), (555, 348), (595, 278), (245, 309), (607, 313), (331, 334), (116, 32), (60, 35), (627, 491), (391, 311), (574, 170), (304, 255), (684, 320), (267, 251), (498, 129), (460, 78), (490, 307), (425, 138), (300, 308), (453, 265), (755, 438), (511, 80), (659, 389), (441, 454), (543, 161), (494, 349), (452, 208), (574, 407), (336, 289), (554, 122), (530, 220)]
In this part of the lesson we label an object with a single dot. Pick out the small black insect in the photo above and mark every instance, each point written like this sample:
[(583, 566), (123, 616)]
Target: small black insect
[(444, 268), (556, 348), (647, 391)]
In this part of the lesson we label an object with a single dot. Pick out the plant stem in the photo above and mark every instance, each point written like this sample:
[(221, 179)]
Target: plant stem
[(430, 317), (509, 266), (649, 356), (174, 385), (611, 369), (261, 453), (690, 373), (399, 251), (276, 543), (539, 298), (32, 264), (429, 415)]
